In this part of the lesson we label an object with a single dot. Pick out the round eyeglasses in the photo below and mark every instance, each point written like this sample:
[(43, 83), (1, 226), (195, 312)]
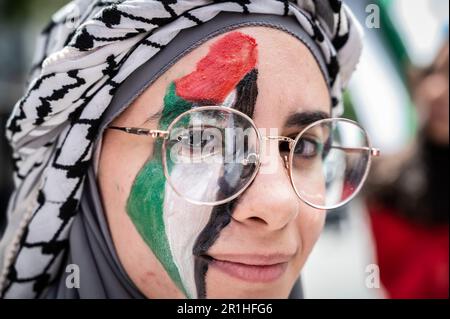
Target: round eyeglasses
[(212, 154)]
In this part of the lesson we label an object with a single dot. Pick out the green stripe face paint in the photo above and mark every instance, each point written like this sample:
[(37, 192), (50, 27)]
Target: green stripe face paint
[(169, 225), (145, 204)]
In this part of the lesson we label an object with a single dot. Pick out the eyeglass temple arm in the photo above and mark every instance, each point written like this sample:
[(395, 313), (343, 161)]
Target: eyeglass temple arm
[(141, 131), (373, 151)]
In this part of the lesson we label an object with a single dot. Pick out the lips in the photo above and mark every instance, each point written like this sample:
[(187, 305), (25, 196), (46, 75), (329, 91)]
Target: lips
[(252, 268)]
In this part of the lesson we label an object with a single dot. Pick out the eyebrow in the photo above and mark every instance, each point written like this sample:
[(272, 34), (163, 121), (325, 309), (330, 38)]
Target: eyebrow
[(153, 117), (305, 118)]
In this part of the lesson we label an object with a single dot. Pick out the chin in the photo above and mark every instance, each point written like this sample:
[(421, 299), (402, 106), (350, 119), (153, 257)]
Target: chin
[(220, 285)]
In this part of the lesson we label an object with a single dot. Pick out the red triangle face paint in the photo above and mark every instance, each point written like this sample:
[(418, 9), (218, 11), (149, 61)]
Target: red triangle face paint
[(217, 74)]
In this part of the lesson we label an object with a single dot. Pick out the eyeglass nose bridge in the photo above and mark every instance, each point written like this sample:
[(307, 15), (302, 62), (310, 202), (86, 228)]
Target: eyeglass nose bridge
[(285, 139), (255, 158), (281, 139)]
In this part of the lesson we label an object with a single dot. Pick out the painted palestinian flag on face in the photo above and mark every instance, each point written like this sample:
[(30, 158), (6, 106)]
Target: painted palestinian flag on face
[(178, 232)]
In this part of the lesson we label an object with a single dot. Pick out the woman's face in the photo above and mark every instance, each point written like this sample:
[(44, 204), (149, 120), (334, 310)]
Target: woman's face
[(252, 247)]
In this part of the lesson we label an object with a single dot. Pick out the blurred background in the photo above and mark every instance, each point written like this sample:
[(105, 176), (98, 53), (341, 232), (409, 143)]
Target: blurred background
[(392, 241)]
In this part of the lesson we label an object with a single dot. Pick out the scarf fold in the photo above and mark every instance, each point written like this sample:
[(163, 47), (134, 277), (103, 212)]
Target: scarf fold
[(92, 250), (79, 65)]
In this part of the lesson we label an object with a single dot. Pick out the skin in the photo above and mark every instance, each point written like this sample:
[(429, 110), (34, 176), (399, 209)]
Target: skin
[(267, 219)]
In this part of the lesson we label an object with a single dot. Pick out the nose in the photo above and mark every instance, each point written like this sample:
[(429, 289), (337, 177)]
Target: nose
[(270, 201)]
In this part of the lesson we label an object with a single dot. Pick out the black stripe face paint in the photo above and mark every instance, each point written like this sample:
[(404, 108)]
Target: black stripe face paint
[(246, 96)]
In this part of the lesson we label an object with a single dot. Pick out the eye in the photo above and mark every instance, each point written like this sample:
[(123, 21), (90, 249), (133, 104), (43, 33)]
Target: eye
[(307, 148), (199, 143), (195, 138)]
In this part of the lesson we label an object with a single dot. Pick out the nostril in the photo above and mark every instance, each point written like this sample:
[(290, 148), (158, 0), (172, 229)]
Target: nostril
[(257, 220), (250, 220)]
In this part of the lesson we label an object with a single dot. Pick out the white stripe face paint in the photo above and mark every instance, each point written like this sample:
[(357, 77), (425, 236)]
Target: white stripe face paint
[(185, 221)]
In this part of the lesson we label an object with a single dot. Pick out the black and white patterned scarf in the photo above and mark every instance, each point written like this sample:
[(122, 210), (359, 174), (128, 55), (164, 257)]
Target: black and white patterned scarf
[(89, 48)]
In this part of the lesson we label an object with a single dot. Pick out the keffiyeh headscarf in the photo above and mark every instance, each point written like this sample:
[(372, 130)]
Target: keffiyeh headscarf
[(85, 53)]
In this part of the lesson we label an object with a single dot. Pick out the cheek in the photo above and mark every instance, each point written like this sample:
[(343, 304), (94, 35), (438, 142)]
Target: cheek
[(119, 163), (145, 208), (309, 224), (311, 185), (168, 224)]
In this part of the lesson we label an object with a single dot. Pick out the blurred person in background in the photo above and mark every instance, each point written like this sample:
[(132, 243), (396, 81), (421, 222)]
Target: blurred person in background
[(408, 199)]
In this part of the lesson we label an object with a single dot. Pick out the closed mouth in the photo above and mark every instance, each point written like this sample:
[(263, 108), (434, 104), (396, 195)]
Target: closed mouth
[(250, 268)]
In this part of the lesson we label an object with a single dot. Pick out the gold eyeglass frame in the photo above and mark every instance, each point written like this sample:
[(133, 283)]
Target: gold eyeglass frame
[(156, 134)]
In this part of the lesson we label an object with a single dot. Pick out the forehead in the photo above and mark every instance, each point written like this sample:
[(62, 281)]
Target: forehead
[(289, 78)]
